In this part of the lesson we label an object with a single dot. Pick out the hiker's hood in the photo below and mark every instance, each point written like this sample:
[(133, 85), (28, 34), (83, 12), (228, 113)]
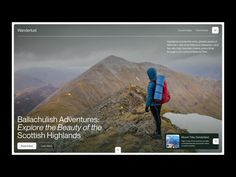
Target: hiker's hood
[(152, 73)]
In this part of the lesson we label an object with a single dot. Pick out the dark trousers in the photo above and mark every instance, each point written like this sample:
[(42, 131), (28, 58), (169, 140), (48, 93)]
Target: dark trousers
[(156, 110)]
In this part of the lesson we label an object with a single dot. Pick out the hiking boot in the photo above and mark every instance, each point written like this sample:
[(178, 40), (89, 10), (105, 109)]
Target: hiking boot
[(156, 136)]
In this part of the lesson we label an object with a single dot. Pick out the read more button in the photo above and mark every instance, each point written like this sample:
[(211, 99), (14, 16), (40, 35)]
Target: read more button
[(26, 145)]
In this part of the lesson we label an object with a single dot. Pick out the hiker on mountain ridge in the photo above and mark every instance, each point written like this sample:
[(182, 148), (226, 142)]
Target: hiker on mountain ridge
[(157, 94)]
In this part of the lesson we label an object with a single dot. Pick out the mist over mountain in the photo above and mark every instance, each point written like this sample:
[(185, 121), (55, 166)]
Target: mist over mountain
[(55, 76), (23, 81)]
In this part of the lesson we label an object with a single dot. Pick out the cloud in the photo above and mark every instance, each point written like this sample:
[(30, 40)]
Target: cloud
[(87, 51)]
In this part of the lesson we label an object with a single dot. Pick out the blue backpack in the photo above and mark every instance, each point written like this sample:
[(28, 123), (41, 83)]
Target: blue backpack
[(158, 94)]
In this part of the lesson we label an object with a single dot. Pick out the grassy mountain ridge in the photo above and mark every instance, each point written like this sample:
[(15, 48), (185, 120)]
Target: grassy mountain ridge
[(188, 93), (125, 124)]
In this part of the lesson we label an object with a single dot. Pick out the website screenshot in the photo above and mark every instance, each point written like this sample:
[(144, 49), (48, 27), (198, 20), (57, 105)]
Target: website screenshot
[(117, 88)]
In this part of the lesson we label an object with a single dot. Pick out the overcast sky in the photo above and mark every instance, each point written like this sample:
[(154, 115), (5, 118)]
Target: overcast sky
[(68, 46)]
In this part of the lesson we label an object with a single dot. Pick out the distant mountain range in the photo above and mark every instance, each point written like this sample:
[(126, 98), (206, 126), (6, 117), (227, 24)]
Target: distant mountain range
[(22, 81), (55, 77), (28, 99), (34, 85), (188, 93)]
